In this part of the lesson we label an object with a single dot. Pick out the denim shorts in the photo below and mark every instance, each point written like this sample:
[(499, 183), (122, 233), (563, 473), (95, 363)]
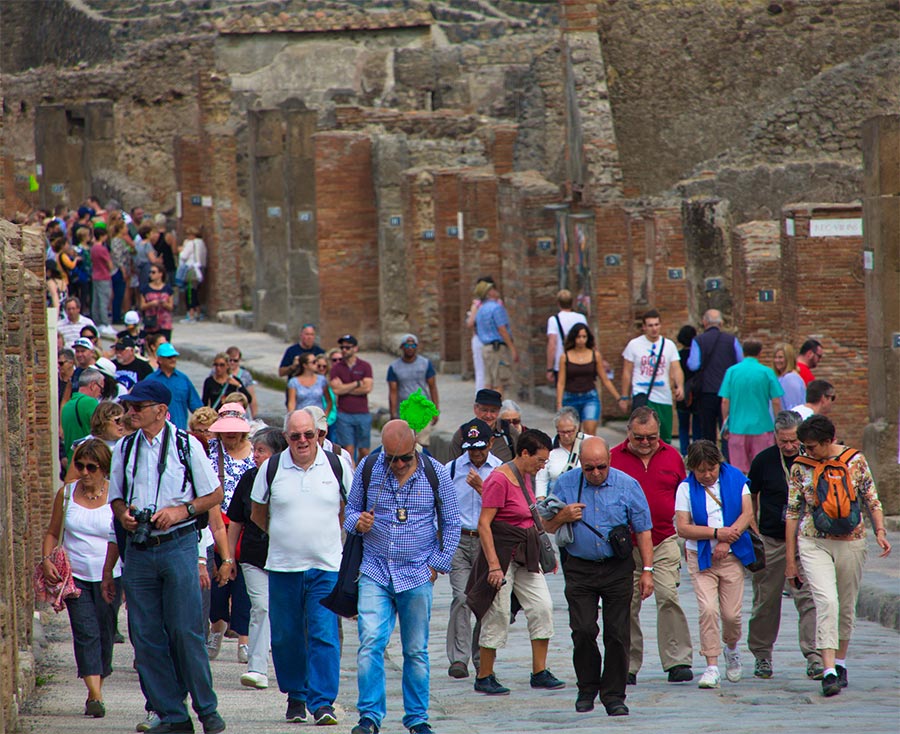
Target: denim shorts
[(352, 429), (586, 403)]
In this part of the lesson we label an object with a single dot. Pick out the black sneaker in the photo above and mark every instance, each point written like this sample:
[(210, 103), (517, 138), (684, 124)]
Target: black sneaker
[(490, 686), (585, 702), (296, 712), (324, 716), (678, 674), (831, 685), (763, 668), (842, 675), (546, 679), (365, 726), (631, 680), (423, 728), (212, 723)]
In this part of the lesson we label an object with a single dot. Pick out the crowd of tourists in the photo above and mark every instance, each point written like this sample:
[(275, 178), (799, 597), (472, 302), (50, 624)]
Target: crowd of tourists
[(208, 522)]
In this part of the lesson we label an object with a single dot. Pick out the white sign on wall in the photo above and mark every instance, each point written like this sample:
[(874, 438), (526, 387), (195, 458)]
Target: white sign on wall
[(835, 227)]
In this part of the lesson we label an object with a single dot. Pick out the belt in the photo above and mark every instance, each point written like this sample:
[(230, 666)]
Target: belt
[(497, 344), (609, 559), (470, 533), (155, 540)]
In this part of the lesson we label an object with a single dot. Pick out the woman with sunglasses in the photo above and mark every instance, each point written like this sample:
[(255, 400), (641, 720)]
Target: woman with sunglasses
[(309, 387), (81, 522), (220, 383), (157, 302)]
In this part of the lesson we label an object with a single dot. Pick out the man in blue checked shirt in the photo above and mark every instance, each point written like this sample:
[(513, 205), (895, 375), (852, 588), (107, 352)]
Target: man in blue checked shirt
[(467, 472), (401, 560), (598, 498)]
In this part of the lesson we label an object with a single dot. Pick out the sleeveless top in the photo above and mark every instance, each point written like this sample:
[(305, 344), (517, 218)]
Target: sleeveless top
[(581, 378), (87, 533)]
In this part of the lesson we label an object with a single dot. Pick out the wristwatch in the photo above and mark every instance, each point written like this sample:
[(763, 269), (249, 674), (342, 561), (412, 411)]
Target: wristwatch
[(648, 568), (192, 511)]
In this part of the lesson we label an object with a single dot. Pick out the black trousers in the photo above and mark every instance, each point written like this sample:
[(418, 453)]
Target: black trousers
[(589, 583), (710, 415)]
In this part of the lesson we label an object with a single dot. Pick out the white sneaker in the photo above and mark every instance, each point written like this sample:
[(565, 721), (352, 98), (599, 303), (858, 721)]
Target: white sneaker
[(710, 678), (255, 680), (243, 653), (107, 330), (733, 668), (148, 723), (214, 644)]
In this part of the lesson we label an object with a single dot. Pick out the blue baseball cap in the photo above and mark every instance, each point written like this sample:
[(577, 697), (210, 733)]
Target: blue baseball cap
[(166, 350), (150, 391)]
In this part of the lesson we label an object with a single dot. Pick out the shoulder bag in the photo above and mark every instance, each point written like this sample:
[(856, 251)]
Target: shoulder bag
[(56, 592), (549, 563), (642, 398), (759, 550)]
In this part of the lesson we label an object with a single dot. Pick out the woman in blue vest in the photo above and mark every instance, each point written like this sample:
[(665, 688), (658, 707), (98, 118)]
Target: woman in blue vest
[(712, 513)]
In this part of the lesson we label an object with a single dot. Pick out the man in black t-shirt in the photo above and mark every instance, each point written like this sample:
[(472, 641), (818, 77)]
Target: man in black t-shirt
[(130, 369), (290, 362), (768, 475)]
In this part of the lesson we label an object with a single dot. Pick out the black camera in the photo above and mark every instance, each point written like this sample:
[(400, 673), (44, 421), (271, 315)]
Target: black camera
[(145, 526)]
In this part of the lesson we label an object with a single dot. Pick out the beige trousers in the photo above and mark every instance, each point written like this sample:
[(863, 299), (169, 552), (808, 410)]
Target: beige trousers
[(720, 591), (534, 596), (673, 635)]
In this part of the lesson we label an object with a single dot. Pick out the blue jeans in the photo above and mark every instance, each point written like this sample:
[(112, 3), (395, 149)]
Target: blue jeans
[(352, 429), (305, 641), (379, 607), (166, 626), (688, 429), (586, 403)]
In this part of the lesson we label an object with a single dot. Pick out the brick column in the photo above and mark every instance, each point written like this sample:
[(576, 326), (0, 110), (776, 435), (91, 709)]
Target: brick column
[(881, 214)]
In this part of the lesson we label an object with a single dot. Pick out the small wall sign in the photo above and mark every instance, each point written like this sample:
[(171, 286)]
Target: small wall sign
[(676, 273), (766, 296), (612, 261), (713, 284)]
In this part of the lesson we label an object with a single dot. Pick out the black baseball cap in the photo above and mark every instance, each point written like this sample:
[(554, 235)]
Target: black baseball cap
[(348, 339), (475, 434)]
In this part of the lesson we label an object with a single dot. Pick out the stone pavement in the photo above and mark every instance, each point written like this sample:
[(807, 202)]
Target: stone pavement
[(871, 704)]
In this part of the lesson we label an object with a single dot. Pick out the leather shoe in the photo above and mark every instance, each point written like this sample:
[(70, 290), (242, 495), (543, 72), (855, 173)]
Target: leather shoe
[(171, 727), (212, 723), (458, 670), (631, 680), (617, 709), (585, 702), (680, 674)]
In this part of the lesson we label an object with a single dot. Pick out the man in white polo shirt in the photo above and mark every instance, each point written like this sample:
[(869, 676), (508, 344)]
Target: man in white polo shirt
[(301, 512)]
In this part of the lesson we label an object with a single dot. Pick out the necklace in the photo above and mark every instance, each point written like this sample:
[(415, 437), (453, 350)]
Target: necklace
[(92, 497)]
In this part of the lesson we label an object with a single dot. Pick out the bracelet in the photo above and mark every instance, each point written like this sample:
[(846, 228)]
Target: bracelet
[(201, 561), (491, 570), (226, 560), (880, 530), (715, 533), (623, 397)]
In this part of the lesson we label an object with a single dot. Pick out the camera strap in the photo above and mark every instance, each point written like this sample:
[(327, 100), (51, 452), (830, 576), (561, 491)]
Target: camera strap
[(588, 525), (160, 463)]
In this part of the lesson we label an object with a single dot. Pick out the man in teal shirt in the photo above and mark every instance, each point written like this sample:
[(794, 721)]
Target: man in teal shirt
[(750, 396), (185, 398)]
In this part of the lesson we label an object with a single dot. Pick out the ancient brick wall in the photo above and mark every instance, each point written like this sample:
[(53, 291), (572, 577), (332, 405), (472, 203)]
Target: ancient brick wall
[(825, 275), (26, 454), (423, 263), (756, 283), (455, 293), (346, 229)]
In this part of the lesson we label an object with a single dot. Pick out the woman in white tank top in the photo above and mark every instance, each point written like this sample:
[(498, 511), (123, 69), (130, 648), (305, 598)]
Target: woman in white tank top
[(82, 523)]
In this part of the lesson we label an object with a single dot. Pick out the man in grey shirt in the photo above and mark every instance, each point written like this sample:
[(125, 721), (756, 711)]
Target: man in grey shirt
[(406, 375)]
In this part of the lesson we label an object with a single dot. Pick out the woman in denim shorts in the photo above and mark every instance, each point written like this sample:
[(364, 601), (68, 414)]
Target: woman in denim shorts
[(580, 365)]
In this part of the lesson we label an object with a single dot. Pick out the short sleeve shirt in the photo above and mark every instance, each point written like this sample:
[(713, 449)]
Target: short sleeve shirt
[(411, 376), (499, 492), (568, 319), (644, 354), (489, 318), (347, 374)]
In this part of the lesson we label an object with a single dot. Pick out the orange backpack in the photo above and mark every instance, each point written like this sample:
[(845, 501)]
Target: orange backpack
[(836, 509)]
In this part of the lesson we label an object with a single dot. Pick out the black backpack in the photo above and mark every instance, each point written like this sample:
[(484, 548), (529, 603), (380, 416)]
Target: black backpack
[(336, 467)]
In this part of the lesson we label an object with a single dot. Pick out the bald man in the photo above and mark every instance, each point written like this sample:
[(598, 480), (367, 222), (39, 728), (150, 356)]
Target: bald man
[(597, 499), (402, 556), (712, 353)]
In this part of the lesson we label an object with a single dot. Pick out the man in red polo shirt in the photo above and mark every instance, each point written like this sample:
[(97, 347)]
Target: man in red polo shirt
[(809, 357), (659, 470)]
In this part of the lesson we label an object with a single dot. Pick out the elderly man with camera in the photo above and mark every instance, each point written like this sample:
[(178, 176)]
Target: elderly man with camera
[(160, 484)]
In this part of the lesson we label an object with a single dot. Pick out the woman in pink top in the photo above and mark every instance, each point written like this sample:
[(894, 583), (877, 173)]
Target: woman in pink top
[(101, 278), (508, 541)]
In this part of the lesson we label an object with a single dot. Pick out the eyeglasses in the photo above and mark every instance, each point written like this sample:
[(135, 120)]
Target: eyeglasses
[(219, 364), (588, 468), (138, 407), (308, 435), (405, 458), (648, 438), (90, 467), (515, 421)]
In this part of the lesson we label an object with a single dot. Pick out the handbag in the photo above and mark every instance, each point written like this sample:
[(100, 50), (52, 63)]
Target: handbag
[(642, 398), (56, 592), (181, 275), (343, 599), (549, 563), (759, 550)]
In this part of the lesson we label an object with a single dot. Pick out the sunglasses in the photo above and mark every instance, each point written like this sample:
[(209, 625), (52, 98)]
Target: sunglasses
[(90, 467), (405, 458), (410, 345), (220, 364), (337, 359), (138, 407), (232, 359), (346, 347), (640, 439), (588, 468), (515, 421), (308, 435), (62, 363), (118, 419)]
